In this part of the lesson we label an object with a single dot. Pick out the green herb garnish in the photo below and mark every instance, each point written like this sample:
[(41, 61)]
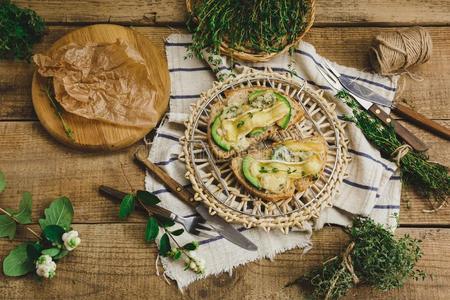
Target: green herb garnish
[(374, 257), (240, 124), (20, 29), (429, 179), (259, 26)]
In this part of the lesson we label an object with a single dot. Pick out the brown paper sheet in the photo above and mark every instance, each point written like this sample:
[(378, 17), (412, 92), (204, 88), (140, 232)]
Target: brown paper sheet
[(107, 82)]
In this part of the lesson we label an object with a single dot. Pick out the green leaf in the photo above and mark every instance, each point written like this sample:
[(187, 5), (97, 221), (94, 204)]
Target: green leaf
[(165, 222), (2, 181), (147, 197), (178, 232), (177, 255), (7, 227), (34, 251), (53, 233), (164, 245), (51, 251), (60, 212), (191, 246), (152, 230), (23, 215), (126, 206), (17, 263), (61, 254)]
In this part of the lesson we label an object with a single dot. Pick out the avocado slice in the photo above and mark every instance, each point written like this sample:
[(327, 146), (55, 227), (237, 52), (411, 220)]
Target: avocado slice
[(284, 122), (257, 131), (246, 164), (216, 137), (255, 94)]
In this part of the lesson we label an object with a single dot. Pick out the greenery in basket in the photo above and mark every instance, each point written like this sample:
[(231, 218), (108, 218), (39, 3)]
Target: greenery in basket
[(20, 29), (429, 179), (162, 227), (374, 257), (256, 25), (55, 242)]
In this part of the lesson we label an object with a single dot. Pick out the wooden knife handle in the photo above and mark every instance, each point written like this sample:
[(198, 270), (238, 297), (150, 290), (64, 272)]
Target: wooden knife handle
[(421, 120), (401, 131), (168, 181), (151, 210)]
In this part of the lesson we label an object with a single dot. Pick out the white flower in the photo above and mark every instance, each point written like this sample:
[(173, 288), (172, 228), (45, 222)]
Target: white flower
[(71, 240), (45, 266), (195, 263)]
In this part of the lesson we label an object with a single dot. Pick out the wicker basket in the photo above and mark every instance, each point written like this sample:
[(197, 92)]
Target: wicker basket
[(247, 54)]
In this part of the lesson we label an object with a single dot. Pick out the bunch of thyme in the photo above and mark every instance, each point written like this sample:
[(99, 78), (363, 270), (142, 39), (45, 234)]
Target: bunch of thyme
[(256, 25), (428, 178), (376, 258), (20, 29)]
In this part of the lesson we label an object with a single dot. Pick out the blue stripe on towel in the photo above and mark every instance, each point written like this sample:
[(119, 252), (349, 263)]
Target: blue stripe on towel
[(170, 44), (379, 206), (354, 184), (169, 137), (166, 162), (371, 158), (185, 96), (164, 190)]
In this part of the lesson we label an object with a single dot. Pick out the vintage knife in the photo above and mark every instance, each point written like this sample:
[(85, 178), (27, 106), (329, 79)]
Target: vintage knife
[(399, 109), (217, 223)]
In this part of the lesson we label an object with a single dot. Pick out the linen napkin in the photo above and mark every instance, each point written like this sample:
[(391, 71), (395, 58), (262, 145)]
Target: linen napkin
[(372, 188)]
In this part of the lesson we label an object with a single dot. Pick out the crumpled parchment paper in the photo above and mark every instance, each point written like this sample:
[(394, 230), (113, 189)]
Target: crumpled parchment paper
[(107, 82)]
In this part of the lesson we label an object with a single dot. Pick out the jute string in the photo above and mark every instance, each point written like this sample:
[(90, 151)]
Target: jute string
[(400, 152), (393, 52), (346, 264)]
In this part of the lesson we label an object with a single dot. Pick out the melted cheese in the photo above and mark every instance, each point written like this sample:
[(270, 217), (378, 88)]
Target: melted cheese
[(235, 129)]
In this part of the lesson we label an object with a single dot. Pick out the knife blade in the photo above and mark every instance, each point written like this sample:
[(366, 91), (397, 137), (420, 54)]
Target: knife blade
[(217, 223), (363, 92)]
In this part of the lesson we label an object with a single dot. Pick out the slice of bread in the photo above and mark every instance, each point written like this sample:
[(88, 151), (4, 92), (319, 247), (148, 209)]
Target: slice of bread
[(295, 186), (297, 115)]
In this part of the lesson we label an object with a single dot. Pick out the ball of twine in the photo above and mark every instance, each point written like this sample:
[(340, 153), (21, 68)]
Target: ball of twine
[(393, 52)]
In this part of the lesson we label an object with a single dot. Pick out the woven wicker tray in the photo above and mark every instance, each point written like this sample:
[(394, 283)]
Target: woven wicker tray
[(214, 182)]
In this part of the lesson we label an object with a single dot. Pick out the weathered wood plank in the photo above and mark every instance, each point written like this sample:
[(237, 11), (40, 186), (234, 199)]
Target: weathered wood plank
[(34, 162), (113, 261), (348, 46), (141, 12)]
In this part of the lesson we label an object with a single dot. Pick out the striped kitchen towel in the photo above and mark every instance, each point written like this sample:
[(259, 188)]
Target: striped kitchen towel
[(372, 188)]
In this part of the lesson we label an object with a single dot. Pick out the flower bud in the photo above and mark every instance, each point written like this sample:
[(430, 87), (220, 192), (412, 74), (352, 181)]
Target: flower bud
[(45, 266)]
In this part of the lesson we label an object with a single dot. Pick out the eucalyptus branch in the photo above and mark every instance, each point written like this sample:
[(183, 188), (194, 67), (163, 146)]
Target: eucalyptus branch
[(15, 220)]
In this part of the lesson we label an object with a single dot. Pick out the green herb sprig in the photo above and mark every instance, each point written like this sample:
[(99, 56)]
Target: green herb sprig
[(59, 110), (26, 257), (20, 29), (376, 258), (429, 179), (156, 225), (259, 26)]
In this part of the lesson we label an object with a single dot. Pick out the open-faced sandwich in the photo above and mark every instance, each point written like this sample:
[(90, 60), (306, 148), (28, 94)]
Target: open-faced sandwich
[(280, 171), (248, 116)]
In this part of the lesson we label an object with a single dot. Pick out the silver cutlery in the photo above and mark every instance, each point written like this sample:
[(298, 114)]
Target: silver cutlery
[(192, 224), (338, 82)]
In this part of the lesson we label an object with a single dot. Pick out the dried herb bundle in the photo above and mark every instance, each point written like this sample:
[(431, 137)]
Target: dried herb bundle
[(428, 179), (375, 257), (257, 25), (20, 28)]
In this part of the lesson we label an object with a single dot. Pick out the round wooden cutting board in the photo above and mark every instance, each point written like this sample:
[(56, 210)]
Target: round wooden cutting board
[(93, 134)]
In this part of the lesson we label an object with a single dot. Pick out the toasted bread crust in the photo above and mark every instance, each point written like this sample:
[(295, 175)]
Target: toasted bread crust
[(299, 185), (217, 107)]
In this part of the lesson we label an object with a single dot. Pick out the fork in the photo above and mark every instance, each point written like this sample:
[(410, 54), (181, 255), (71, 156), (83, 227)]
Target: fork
[(331, 75), (194, 224)]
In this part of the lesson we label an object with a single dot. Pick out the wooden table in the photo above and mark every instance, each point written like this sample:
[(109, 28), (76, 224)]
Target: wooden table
[(113, 261)]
